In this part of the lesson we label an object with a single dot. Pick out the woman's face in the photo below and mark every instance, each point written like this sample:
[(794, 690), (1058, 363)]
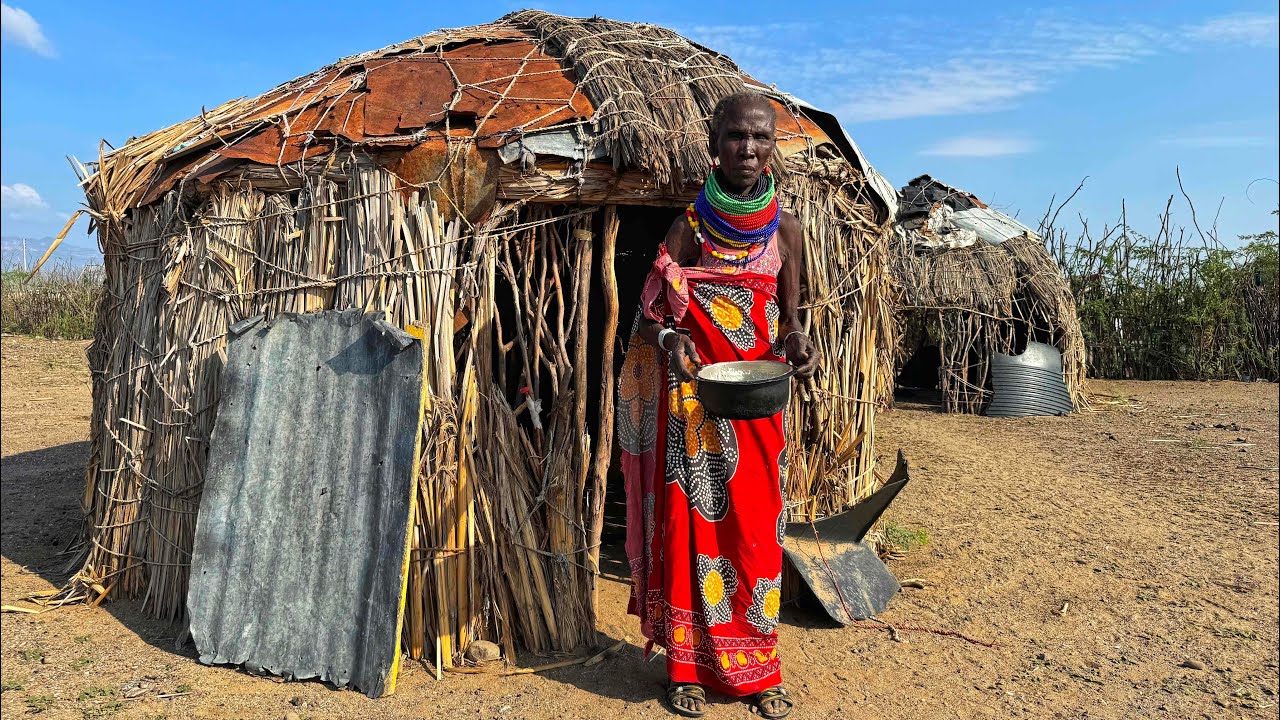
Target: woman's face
[(745, 144)]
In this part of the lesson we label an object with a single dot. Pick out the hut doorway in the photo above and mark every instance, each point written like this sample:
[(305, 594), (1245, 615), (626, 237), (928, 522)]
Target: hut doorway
[(640, 230)]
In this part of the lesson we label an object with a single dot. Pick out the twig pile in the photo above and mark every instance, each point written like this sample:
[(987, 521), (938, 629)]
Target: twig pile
[(1175, 304)]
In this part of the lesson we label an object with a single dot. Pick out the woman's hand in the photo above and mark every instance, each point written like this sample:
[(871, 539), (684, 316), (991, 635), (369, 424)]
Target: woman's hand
[(802, 354), (683, 355)]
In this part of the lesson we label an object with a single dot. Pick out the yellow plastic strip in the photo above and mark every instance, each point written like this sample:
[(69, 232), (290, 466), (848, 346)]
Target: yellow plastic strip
[(408, 534)]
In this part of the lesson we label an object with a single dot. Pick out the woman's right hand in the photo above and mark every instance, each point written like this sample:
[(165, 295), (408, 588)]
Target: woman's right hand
[(683, 355)]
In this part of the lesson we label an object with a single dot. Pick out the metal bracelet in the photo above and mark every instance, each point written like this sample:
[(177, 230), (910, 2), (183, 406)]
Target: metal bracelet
[(793, 332), (662, 338)]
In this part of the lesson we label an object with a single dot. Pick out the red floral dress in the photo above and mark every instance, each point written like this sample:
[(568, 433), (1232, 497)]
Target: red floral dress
[(705, 513)]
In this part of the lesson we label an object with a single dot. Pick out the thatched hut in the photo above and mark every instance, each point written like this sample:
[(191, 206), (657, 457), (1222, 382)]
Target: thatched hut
[(501, 189), (973, 282)]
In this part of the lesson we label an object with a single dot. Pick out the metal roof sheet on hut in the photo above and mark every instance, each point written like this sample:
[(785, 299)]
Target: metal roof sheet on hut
[(499, 190), (975, 282), (938, 215)]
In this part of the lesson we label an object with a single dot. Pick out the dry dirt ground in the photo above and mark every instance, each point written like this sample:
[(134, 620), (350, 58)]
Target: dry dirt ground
[(1124, 562)]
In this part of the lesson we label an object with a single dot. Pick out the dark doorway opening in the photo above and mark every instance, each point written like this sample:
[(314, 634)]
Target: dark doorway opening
[(640, 230)]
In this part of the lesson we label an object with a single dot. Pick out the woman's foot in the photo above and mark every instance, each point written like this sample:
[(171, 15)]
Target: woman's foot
[(687, 700), (774, 703)]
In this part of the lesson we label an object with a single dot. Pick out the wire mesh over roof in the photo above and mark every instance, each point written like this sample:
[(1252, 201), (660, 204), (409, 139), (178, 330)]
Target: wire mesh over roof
[(637, 93)]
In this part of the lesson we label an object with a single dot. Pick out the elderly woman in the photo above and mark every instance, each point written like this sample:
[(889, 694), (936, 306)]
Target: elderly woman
[(705, 514)]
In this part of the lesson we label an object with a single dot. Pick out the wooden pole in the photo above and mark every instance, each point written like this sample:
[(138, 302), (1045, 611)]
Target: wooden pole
[(604, 435), (582, 246)]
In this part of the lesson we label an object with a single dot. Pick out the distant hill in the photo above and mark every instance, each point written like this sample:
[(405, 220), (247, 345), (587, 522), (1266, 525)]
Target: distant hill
[(74, 252)]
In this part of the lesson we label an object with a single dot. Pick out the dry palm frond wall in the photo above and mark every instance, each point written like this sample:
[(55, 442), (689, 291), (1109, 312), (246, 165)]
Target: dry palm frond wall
[(349, 188)]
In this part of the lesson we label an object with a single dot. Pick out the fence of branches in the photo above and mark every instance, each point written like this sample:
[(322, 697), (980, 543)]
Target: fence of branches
[(1175, 304)]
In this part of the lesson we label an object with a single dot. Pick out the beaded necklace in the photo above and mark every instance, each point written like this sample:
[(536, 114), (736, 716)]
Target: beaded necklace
[(741, 222)]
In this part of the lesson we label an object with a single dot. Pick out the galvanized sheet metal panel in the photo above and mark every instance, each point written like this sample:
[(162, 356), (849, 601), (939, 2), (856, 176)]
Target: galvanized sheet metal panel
[(882, 188), (1029, 384), (992, 226), (301, 542)]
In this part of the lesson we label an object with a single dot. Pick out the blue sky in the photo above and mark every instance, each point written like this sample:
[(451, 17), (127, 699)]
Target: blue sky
[(1012, 103)]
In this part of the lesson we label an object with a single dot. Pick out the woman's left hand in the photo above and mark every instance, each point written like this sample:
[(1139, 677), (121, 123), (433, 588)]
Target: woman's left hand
[(802, 354)]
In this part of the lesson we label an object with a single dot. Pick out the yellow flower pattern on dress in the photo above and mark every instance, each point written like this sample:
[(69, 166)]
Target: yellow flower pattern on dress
[(713, 587), (726, 313), (702, 451), (638, 383), (730, 309), (639, 398)]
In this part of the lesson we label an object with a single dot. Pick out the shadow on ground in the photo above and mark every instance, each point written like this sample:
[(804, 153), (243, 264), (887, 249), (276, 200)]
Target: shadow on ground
[(41, 517), (40, 528)]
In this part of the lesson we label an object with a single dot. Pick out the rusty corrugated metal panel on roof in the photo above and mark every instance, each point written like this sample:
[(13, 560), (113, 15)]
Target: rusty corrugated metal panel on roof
[(471, 173), (500, 82), (491, 88), (301, 544)]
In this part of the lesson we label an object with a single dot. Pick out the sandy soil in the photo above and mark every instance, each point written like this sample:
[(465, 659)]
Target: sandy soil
[(1100, 552)]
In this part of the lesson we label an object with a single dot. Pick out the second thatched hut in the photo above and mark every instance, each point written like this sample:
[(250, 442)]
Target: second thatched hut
[(973, 282)]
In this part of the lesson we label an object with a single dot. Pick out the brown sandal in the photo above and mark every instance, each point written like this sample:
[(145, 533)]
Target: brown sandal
[(687, 692), (774, 694)]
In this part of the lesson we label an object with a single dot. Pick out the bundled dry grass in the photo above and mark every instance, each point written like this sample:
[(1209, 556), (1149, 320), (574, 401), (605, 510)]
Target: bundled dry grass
[(510, 495)]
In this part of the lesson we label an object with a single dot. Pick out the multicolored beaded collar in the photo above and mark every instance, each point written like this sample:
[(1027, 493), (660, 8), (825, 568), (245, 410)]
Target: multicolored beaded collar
[(744, 223)]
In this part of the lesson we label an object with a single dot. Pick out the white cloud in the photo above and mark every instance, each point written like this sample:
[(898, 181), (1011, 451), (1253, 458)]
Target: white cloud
[(1219, 141), (1243, 28), (20, 200), (901, 66), (17, 25), (1223, 135), (954, 88), (980, 146), (1018, 59)]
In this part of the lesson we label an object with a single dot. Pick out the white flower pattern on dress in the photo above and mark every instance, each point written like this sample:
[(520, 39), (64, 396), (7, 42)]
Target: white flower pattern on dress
[(717, 582), (766, 602)]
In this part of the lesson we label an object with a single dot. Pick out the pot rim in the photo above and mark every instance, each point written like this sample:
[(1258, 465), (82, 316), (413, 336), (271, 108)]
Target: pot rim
[(790, 373)]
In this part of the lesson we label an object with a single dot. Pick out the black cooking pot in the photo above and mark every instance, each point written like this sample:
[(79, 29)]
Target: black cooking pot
[(745, 389)]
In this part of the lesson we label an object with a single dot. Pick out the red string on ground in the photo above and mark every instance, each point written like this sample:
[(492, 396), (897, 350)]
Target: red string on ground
[(882, 625)]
